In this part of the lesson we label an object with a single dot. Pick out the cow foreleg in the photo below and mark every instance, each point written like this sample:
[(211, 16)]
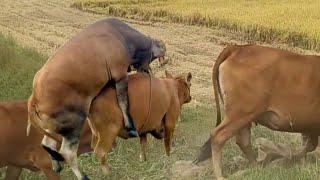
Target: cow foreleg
[(143, 144), (122, 96), (69, 147), (243, 140), (51, 144), (168, 130), (13, 173)]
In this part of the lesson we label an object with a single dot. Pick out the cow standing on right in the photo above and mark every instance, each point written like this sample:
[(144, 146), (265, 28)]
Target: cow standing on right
[(275, 88)]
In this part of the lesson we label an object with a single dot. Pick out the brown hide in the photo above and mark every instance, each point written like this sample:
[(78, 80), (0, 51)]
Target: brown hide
[(168, 95), (275, 88), (21, 151), (74, 75), (278, 88)]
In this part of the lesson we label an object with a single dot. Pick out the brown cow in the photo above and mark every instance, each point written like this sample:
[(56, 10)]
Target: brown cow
[(65, 86), (275, 88), (20, 151), (167, 97)]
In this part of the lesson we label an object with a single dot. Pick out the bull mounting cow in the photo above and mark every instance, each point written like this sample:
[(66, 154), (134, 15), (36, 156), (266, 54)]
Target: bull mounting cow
[(63, 89)]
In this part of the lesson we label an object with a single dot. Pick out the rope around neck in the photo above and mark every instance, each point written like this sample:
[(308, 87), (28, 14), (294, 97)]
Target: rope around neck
[(150, 89)]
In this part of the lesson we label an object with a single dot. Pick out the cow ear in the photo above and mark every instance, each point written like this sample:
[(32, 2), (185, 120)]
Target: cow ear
[(189, 77), (168, 75)]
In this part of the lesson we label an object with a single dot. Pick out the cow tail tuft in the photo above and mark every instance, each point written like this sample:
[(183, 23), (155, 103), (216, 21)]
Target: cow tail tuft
[(205, 152)]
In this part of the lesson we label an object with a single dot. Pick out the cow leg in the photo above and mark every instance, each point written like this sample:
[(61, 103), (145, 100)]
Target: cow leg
[(41, 160), (143, 144), (226, 130), (47, 142), (169, 125), (122, 96), (243, 140), (104, 145), (69, 148), (13, 173)]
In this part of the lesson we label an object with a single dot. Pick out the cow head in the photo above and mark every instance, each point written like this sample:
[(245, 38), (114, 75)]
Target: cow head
[(184, 84), (157, 50)]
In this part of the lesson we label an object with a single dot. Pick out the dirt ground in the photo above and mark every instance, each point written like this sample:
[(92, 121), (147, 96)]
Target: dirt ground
[(45, 25)]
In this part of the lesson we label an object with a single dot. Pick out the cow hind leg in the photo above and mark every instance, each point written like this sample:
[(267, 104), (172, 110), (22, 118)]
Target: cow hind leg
[(243, 140), (143, 144), (106, 139), (226, 130), (50, 146), (68, 150), (13, 173), (122, 96)]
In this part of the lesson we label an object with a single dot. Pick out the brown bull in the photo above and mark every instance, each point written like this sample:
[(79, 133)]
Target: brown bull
[(20, 151), (167, 97), (65, 86), (275, 88)]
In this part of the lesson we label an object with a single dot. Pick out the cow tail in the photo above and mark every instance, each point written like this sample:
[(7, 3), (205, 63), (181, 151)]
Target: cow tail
[(215, 80), (93, 128), (33, 119), (205, 151), (31, 113)]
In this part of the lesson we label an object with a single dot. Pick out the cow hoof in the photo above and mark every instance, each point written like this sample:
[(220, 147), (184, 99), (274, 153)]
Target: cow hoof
[(142, 158), (57, 169), (56, 166), (133, 133), (85, 177), (106, 170)]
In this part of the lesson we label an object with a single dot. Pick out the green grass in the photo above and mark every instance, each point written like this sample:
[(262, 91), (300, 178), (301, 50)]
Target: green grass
[(18, 66), (295, 22)]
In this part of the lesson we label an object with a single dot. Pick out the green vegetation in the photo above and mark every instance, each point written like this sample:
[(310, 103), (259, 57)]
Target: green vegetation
[(295, 22), (17, 68)]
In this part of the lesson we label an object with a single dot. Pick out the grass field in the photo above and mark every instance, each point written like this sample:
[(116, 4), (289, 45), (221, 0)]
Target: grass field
[(295, 22), (17, 67)]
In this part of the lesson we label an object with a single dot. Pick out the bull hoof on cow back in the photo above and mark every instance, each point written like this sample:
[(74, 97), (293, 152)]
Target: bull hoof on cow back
[(133, 133)]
